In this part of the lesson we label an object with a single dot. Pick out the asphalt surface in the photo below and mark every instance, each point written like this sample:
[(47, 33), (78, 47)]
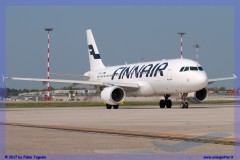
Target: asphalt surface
[(214, 121)]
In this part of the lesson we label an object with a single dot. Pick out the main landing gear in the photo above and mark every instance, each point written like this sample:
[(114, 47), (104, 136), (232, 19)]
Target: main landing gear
[(165, 102), (184, 103), (109, 106)]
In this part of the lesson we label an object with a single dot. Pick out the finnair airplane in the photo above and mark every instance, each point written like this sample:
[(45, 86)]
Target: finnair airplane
[(162, 78)]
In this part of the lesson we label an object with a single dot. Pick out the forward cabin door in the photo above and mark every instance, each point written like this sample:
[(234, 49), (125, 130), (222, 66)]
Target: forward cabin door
[(170, 71)]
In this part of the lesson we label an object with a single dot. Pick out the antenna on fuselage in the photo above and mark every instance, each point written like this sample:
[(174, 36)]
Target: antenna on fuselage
[(181, 49), (196, 46)]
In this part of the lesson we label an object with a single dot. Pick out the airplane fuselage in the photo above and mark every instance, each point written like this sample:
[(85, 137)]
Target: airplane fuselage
[(156, 78)]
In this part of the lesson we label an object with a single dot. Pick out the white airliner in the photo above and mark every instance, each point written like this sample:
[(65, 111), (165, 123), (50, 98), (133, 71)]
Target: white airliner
[(163, 78)]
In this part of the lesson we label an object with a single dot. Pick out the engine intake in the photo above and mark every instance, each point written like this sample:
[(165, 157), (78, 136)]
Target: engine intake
[(113, 95), (198, 97)]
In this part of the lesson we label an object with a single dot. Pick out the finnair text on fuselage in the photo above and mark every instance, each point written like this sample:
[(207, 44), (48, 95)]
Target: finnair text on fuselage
[(138, 71)]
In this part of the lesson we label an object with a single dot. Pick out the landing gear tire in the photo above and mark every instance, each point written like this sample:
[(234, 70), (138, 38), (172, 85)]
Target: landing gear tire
[(184, 105), (115, 106), (168, 103), (165, 102), (162, 103), (108, 106)]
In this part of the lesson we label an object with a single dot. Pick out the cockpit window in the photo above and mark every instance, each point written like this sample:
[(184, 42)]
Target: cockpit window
[(194, 68), (181, 69), (200, 68), (191, 68), (186, 69)]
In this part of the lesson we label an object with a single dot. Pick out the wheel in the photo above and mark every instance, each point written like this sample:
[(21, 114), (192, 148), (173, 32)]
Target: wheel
[(162, 103), (168, 103), (108, 106), (115, 106), (181, 105), (186, 104)]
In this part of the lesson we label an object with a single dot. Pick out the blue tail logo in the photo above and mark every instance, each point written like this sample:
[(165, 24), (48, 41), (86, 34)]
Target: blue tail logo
[(92, 52)]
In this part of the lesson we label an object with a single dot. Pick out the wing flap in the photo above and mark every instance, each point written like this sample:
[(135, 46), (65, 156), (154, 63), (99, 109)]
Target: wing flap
[(71, 75)]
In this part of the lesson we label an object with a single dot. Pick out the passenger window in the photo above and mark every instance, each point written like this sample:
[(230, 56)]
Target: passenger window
[(181, 69), (200, 68), (193, 68), (186, 69)]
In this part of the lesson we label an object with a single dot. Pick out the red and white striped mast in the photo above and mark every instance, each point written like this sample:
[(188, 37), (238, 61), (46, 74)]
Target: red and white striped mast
[(181, 48), (48, 64), (196, 46)]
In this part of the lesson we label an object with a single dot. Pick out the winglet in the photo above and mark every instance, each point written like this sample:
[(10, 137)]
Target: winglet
[(235, 77)]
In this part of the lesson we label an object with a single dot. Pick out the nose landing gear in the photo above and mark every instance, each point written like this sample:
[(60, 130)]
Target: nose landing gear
[(165, 102), (184, 103)]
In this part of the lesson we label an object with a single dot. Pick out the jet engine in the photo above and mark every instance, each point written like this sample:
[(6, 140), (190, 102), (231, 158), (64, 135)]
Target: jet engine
[(113, 95), (198, 96)]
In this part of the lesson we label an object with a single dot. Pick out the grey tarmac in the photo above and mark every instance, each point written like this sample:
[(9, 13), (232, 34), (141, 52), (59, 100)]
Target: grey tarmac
[(197, 121)]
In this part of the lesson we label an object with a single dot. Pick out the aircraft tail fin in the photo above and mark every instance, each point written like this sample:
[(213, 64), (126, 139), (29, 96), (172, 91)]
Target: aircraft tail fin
[(94, 56)]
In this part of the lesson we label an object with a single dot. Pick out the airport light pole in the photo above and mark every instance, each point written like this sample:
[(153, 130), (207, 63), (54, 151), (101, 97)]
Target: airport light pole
[(48, 63), (196, 46), (181, 48)]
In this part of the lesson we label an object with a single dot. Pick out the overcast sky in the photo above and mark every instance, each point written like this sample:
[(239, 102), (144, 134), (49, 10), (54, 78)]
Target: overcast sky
[(122, 34)]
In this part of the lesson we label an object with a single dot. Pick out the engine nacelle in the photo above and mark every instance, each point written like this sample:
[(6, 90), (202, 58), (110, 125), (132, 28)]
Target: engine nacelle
[(113, 95), (198, 97)]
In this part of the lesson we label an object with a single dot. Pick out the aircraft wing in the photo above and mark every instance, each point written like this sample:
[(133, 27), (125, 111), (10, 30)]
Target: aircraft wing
[(130, 86), (71, 75), (210, 81)]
